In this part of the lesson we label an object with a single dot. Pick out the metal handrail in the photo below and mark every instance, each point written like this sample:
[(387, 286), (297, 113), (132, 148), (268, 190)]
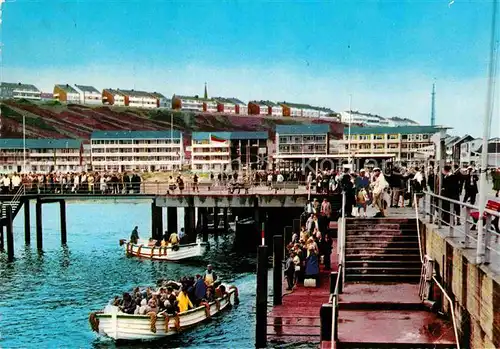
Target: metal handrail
[(335, 302), (20, 192), (452, 305), (436, 210)]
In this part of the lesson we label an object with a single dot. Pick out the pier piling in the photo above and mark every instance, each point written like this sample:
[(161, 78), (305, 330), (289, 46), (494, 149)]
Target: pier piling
[(62, 212), (278, 269), (296, 226), (287, 238), (189, 224), (39, 239), (204, 222), (10, 235), (171, 219), (2, 247), (261, 299), (226, 221), (27, 224), (325, 315)]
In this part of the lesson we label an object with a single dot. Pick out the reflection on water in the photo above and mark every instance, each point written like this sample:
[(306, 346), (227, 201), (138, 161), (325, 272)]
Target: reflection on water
[(47, 296)]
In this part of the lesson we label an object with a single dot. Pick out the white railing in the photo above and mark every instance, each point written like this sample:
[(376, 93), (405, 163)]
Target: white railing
[(17, 197), (335, 303), (421, 253), (452, 213)]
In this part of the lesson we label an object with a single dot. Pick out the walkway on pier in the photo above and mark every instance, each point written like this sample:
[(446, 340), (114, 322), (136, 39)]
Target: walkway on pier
[(297, 319)]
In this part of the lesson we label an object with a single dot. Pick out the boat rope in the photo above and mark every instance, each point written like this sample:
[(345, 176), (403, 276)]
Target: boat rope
[(207, 309), (139, 250), (176, 319), (236, 294), (152, 321), (94, 321)]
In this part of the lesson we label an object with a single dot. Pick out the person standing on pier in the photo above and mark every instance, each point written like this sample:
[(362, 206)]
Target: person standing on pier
[(470, 186), (380, 185), (290, 271), (134, 236)]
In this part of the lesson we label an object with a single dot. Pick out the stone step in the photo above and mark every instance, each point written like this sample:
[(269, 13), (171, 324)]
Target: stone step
[(375, 232), (383, 237), (381, 250), (396, 269), (382, 264), (383, 277), (385, 220), (383, 257), (382, 244)]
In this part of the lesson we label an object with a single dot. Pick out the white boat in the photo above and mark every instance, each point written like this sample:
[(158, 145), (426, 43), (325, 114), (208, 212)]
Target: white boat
[(119, 326), (169, 253)]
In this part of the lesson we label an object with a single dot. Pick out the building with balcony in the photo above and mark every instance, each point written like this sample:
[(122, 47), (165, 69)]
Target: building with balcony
[(300, 148), (471, 152), (397, 121), (403, 144), (209, 106), (89, 95), (305, 110), (65, 93), (19, 91), (258, 108), (136, 150), (364, 119), (42, 155), (162, 101), (139, 99), (218, 152), (113, 97), (46, 96), (231, 106), (188, 103)]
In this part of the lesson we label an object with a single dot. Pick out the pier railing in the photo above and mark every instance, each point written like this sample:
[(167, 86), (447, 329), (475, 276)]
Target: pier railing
[(170, 188), (434, 279), (14, 202), (462, 220)]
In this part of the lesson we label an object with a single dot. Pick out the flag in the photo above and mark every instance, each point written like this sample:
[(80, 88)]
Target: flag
[(217, 139)]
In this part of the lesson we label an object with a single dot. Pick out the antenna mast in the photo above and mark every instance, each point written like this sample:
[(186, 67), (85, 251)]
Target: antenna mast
[(433, 106)]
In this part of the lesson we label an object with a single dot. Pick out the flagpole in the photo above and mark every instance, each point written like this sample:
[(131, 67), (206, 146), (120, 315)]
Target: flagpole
[(349, 132), (480, 253)]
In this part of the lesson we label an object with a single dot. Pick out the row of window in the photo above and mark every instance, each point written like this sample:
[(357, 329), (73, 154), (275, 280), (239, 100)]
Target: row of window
[(135, 141), (302, 139), (136, 150), (303, 149), (135, 158), (412, 137)]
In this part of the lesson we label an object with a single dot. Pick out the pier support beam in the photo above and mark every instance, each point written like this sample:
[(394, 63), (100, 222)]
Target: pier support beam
[(278, 269), (189, 224), (216, 222), (296, 226), (62, 212), (27, 224), (10, 235), (325, 316), (2, 239), (203, 212), (156, 221), (39, 239), (261, 299), (171, 219), (226, 221), (287, 238)]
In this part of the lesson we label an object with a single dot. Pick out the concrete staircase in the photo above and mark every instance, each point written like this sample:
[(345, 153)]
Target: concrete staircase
[(382, 250)]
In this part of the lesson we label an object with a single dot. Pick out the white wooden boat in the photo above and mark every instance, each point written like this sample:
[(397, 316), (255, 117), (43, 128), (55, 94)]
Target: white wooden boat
[(169, 253), (119, 326)]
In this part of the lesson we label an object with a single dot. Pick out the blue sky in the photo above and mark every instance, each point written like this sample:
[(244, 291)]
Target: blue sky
[(385, 53)]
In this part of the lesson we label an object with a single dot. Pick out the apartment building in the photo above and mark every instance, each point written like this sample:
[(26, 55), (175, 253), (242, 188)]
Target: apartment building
[(42, 155), (19, 91), (304, 110), (65, 93), (364, 119), (89, 95), (301, 146), (229, 151), (471, 152), (209, 106), (187, 103), (113, 97), (258, 108), (399, 144), (162, 101), (136, 150)]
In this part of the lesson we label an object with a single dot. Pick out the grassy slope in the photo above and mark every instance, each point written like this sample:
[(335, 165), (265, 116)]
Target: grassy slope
[(52, 120)]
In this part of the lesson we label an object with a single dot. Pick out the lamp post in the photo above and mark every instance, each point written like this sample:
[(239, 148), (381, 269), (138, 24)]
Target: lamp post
[(490, 100)]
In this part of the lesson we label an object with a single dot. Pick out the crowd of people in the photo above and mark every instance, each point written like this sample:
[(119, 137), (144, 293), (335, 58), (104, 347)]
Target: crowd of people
[(77, 183), (171, 297)]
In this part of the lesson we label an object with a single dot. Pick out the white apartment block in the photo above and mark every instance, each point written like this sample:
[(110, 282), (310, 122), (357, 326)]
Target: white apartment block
[(401, 144), (113, 97), (210, 152), (42, 155), (210, 106), (136, 150), (276, 110), (187, 103), (140, 99), (89, 95), (363, 119), (19, 91)]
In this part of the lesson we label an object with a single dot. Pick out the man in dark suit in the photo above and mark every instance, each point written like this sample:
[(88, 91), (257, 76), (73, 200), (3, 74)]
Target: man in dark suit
[(450, 189), (470, 186)]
